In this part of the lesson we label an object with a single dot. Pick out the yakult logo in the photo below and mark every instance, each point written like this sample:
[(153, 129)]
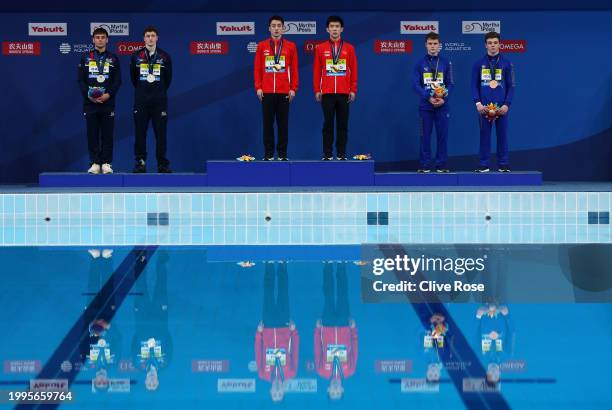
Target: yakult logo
[(48, 29), (235, 28), (419, 27)]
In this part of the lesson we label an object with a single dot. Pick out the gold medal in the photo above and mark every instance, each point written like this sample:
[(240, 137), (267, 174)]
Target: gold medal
[(277, 67), (493, 84)]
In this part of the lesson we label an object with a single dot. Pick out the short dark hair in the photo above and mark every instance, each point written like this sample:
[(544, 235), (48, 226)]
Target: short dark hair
[(432, 36), (99, 30), (276, 17), (492, 34), (334, 19), (150, 29)]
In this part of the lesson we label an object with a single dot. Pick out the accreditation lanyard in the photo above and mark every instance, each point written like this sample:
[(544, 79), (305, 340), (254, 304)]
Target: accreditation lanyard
[(277, 52), (336, 52)]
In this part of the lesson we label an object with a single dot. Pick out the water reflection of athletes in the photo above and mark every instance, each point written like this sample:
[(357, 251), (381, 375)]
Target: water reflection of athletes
[(103, 341), (335, 336), (152, 343), (496, 337), (437, 344), (277, 342)]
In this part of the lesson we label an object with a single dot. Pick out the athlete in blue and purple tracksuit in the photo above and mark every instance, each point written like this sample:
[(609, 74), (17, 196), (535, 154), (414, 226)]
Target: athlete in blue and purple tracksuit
[(493, 83), (431, 72)]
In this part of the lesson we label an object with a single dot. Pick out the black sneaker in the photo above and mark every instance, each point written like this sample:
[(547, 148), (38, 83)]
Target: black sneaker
[(423, 170), (341, 158), (442, 170), (140, 167), (503, 169), (164, 169), (326, 159), (482, 169), (268, 159), (283, 159)]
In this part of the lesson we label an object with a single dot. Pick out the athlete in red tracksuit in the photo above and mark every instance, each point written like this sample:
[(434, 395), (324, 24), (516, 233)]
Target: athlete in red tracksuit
[(335, 86), (335, 336), (276, 82), (277, 342)]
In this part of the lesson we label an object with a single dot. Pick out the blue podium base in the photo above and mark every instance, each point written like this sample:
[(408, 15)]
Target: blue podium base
[(292, 174), (119, 180)]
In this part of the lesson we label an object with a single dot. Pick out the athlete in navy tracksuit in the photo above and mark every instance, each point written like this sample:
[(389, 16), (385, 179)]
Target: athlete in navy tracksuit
[(493, 82), (151, 74), (430, 71), (99, 79)]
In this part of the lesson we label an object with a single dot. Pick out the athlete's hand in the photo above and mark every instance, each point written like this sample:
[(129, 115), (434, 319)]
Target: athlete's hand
[(260, 95), (319, 324), (291, 325), (103, 98), (481, 108), (318, 97), (432, 101), (351, 97), (352, 323), (94, 100), (439, 102), (260, 327), (291, 95), (503, 110)]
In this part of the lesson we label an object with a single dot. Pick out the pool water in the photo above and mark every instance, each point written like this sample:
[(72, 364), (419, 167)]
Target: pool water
[(179, 327)]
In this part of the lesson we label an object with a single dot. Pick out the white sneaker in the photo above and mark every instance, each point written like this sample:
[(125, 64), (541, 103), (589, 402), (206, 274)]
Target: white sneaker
[(94, 169), (95, 253), (107, 253), (107, 169)]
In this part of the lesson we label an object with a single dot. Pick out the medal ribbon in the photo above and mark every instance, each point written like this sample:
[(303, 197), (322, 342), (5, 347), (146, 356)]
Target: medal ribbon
[(336, 53), (277, 53)]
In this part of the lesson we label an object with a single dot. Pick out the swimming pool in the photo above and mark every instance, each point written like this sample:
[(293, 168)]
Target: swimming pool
[(183, 295)]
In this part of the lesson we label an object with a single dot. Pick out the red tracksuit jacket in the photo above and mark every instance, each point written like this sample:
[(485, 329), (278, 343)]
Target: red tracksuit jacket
[(277, 338), (340, 336), (339, 79), (272, 78)]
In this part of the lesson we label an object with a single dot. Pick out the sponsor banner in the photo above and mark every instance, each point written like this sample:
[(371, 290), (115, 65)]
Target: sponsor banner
[(48, 385), (392, 46), (80, 48), (474, 385), (47, 29), (210, 366), (208, 47), (480, 27), (126, 366), (21, 366), (419, 386), (300, 27), (252, 47), (301, 386), (393, 366), (457, 46), (235, 28), (513, 46), (310, 45), (419, 27), (236, 385), (111, 385), (513, 366), (114, 29), (127, 48), (16, 48)]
